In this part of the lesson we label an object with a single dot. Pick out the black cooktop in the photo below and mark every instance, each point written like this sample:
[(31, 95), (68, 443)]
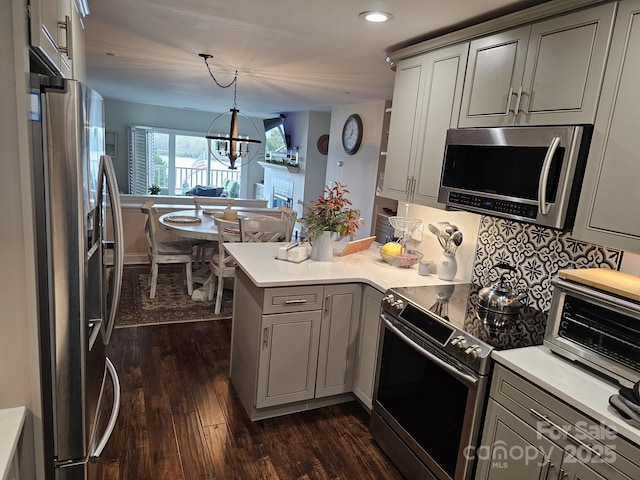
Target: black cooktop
[(457, 305)]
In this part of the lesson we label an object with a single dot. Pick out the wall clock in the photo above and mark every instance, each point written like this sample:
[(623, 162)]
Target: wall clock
[(352, 134)]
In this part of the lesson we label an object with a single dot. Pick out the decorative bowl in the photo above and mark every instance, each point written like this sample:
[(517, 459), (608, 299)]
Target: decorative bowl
[(407, 259)]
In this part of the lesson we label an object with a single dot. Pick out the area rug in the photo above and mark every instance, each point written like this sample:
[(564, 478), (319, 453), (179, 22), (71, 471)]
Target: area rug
[(172, 303)]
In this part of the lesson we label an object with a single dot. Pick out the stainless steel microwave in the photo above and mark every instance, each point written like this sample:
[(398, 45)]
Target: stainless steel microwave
[(529, 174)]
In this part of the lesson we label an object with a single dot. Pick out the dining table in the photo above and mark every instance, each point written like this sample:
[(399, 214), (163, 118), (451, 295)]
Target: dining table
[(192, 224), (203, 224)]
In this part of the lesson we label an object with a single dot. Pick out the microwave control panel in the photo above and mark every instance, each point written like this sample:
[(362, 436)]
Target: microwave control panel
[(493, 205)]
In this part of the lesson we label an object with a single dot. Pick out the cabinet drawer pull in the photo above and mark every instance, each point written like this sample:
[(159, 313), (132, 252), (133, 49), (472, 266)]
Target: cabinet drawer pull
[(265, 337), (546, 419), (295, 301), (545, 470)]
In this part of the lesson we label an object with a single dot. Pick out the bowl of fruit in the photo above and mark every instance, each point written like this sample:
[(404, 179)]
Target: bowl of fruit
[(395, 254)]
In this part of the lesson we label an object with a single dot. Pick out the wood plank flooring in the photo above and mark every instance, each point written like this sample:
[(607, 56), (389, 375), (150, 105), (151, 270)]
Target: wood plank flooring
[(181, 419)]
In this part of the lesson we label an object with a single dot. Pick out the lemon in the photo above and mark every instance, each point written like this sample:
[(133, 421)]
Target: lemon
[(392, 249)]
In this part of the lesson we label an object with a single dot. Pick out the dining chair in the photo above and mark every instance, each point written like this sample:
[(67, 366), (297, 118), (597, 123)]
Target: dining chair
[(164, 252), (291, 216), (264, 229), (222, 265)]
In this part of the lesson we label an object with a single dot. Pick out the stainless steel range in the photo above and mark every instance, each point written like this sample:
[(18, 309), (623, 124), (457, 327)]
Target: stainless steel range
[(434, 364)]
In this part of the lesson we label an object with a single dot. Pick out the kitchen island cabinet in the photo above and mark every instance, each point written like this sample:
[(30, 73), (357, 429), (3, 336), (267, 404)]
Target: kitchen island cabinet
[(606, 210), (554, 413), (547, 73), (298, 338), (302, 354)]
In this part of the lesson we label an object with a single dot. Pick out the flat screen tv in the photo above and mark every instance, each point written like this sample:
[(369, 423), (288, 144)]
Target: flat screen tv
[(275, 136)]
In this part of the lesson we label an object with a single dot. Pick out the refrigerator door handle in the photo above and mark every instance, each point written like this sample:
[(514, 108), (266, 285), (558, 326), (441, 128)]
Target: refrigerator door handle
[(98, 447), (117, 245)]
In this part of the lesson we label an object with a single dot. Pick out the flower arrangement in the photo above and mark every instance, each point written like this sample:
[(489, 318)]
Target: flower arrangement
[(332, 212)]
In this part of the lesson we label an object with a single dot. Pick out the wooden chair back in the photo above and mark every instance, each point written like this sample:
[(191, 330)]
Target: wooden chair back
[(263, 230), (150, 231)]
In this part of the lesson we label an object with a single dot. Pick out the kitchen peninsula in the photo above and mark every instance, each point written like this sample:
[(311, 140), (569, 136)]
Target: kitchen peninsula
[(305, 335)]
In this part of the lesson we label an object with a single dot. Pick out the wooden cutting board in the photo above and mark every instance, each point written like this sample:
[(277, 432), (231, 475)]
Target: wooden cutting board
[(619, 283), (357, 246)]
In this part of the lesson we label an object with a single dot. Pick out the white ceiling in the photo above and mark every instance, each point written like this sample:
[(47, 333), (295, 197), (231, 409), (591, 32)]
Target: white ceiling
[(291, 55)]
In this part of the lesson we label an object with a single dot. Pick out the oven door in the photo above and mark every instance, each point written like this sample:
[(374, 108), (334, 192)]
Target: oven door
[(426, 406)]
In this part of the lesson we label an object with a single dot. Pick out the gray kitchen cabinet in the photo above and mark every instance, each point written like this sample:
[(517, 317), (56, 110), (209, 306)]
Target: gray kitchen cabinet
[(288, 357), (426, 102), (606, 210), (338, 339), (528, 433), (293, 348), (547, 73), (504, 439), (51, 30), (368, 333)]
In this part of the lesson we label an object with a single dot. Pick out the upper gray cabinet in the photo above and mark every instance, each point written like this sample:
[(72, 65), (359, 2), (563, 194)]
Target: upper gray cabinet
[(53, 25), (547, 73), (606, 210), (426, 102)]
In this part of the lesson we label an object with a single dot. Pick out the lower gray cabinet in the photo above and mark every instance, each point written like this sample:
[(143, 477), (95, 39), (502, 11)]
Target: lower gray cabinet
[(529, 434), (288, 358), (368, 333), (293, 348), (512, 449)]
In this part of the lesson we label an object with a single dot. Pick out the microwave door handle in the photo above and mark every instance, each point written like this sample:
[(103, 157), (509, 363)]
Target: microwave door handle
[(544, 176)]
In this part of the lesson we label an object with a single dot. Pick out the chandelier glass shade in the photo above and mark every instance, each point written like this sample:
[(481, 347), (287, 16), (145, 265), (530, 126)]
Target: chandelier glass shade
[(231, 149)]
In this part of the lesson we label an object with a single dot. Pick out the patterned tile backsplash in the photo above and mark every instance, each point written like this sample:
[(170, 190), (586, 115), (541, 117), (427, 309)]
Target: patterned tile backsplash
[(537, 253)]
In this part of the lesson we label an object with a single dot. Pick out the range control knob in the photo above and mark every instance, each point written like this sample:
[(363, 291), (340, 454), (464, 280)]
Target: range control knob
[(473, 351), (387, 299), (399, 304), (459, 342)]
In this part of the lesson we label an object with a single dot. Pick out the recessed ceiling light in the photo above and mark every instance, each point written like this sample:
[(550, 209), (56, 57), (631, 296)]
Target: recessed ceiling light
[(111, 54), (376, 17)]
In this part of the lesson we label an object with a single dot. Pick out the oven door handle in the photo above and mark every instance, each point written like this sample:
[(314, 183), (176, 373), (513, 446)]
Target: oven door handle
[(467, 380)]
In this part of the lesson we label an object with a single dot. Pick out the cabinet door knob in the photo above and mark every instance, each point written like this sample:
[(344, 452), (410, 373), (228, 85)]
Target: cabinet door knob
[(265, 337)]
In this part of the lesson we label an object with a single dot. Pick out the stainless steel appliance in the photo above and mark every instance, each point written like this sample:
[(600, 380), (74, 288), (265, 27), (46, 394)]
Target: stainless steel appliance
[(596, 328), (432, 375), (78, 292), (529, 174)]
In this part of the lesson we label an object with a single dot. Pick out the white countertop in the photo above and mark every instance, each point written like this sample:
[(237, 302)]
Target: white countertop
[(570, 382), (11, 421), (258, 260)]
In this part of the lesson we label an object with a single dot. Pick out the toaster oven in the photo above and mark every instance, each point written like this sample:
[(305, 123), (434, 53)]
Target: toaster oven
[(596, 324)]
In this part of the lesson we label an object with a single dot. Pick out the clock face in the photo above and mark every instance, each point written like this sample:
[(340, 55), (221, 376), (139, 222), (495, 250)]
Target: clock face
[(352, 134)]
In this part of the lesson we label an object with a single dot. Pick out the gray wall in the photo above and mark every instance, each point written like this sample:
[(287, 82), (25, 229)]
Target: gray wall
[(119, 115), (358, 171)]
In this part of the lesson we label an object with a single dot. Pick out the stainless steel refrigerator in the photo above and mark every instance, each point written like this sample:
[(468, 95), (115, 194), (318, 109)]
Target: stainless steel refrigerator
[(79, 273)]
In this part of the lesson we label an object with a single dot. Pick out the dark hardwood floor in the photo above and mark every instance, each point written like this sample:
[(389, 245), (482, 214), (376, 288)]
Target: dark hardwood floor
[(181, 419)]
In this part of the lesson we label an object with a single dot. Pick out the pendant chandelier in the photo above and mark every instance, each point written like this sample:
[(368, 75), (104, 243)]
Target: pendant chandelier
[(230, 149)]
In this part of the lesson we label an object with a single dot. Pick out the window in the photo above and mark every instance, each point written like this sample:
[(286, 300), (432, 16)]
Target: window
[(176, 161)]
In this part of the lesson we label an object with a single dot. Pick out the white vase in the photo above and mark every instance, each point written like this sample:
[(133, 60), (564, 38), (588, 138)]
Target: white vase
[(447, 266), (322, 248)]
